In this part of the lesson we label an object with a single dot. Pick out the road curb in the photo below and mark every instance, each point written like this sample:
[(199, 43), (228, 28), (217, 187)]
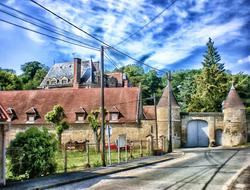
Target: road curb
[(60, 183), (229, 184)]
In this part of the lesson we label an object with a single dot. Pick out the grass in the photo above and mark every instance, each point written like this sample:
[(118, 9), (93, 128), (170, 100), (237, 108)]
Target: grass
[(77, 160)]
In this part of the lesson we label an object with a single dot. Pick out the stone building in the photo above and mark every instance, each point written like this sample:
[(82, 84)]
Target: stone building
[(203, 129), (80, 74), (27, 108)]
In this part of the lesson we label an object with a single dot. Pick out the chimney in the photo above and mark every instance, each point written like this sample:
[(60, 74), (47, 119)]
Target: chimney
[(125, 83), (77, 72)]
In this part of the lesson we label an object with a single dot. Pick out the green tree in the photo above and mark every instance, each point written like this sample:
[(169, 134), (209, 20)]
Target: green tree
[(151, 84), (242, 84), (184, 86), (57, 116), (211, 83), (33, 74), (32, 153), (9, 81), (95, 124), (134, 73)]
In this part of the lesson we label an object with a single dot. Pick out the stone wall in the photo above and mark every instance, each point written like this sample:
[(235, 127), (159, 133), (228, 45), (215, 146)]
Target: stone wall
[(82, 131), (248, 127), (214, 120)]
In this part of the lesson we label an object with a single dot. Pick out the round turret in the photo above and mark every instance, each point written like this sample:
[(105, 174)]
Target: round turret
[(162, 117), (235, 128)]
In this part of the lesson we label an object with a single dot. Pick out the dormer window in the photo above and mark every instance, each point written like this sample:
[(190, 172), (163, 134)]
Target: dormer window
[(81, 115), (31, 115), (53, 81), (64, 80), (12, 114), (114, 114)]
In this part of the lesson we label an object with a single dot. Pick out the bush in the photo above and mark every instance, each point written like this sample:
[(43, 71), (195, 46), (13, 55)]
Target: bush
[(32, 153)]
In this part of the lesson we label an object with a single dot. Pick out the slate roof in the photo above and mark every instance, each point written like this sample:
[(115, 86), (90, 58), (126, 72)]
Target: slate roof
[(125, 99), (233, 100), (163, 102), (60, 70), (149, 112)]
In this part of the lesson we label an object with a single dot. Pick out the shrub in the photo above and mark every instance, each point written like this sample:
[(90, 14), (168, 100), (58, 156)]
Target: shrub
[(32, 153)]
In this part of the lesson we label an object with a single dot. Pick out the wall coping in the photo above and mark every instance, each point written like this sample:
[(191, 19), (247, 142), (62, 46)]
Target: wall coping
[(200, 114)]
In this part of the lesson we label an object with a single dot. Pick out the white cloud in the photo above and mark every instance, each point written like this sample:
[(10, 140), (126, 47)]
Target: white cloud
[(120, 18), (245, 60)]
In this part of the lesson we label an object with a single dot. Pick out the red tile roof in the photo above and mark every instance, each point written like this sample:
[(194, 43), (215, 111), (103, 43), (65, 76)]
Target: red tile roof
[(149, 112), (164, 99), (233, 99), (3, 114), (125, 99)]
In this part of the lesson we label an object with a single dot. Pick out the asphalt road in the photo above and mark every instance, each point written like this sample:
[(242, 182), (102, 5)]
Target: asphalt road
[(199, 169)]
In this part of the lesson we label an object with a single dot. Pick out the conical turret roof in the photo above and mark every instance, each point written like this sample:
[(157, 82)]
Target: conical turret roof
[(233, 99), (163, 102)]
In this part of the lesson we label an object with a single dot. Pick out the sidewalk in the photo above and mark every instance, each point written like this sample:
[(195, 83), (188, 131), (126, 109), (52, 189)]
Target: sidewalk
[(243, 180), (71, 177)]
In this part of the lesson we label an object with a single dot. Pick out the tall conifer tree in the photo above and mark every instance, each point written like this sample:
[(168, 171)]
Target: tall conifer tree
[(211, 83)]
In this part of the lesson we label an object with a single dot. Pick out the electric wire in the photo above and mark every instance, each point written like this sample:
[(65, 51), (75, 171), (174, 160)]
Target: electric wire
[(145, 25), (97, 39), (25, 28), (39, 20), (45, 28)]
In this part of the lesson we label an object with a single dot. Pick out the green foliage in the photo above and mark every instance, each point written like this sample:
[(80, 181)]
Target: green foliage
[(32, 153), (33, 74), (184, 86), (211, 84), (9, 81), (242, 84), (56, 116)]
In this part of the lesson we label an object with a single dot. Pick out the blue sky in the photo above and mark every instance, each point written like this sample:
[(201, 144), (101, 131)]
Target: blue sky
[(176, 40)]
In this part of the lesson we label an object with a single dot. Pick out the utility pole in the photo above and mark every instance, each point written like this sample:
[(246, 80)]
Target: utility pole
[(156, 126), (170, 147), (102, 109)]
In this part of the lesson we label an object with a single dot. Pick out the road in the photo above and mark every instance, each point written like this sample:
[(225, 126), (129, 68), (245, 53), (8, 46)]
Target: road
[(199, 169)]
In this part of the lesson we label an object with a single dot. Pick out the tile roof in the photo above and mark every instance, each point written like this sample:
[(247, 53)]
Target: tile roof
[(233, 99), (149, 112), (164, 99), (125, 99)]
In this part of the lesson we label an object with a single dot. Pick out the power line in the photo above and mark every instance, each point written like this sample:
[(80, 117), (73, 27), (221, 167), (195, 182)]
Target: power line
[(111, 61), (145, 25), (25, 28), (37, 19), (92, 36), (45, 28)]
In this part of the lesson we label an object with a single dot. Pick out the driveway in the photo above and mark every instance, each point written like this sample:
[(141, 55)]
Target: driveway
[(199, 169)]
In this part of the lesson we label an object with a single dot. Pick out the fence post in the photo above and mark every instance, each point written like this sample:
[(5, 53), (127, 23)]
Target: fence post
[(118, 143), (141, 153), (131, 148), (65, 158), (126, 150), (152, 145), (148, 146), (87, 151)]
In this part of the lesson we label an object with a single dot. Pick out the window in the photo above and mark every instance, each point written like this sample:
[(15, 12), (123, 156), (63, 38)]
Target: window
[(31, 118), (80, 117), (113, 116), (80, 114), (64, 81), (53, 81)]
